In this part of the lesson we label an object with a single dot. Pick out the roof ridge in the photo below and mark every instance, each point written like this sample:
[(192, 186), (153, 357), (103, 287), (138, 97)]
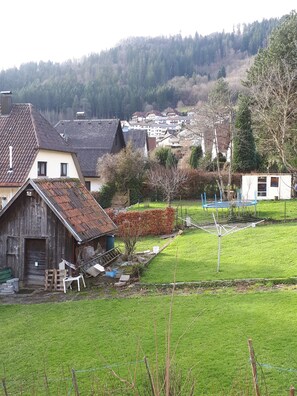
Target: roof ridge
[(31, 107)]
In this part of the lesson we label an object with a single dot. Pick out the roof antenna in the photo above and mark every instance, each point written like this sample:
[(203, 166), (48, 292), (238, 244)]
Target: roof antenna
[(10, 160)]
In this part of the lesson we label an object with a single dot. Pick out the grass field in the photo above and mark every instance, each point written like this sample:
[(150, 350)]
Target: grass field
[(261, 252), (209, 336), (41, 343), (274, 210)]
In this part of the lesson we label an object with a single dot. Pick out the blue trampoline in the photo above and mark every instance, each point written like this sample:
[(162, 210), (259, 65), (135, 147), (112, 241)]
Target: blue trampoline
[(220, 204)]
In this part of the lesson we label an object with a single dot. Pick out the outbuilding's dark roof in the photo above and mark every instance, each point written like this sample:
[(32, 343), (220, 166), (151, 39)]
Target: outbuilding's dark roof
[(91, 139), (138, 138), (27, 131), (73, 204)]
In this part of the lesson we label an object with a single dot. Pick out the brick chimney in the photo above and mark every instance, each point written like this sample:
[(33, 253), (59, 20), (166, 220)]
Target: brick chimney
[(6, 102)]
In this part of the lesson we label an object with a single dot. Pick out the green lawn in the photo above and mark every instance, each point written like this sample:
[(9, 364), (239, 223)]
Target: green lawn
[(274, 210), (209, 336), (261, 252), (41, 343), (143, 243)]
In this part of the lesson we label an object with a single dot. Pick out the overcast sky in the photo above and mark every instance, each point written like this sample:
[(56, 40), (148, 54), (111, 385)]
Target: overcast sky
[(58, 30)]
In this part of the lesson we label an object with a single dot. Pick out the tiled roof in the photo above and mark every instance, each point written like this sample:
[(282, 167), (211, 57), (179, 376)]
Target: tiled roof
[(138, 137), (75, 206), (90, 139), (27, 131)]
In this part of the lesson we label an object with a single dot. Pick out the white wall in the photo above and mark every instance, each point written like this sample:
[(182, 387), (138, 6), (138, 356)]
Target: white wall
[(8, 193), (53, 160), (250, 187), (96, 183)]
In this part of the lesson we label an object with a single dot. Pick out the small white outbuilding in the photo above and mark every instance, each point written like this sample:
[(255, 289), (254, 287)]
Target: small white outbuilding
[(266, 186)]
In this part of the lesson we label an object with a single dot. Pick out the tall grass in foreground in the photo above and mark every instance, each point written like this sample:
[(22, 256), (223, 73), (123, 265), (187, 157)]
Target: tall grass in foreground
[(105, 342)]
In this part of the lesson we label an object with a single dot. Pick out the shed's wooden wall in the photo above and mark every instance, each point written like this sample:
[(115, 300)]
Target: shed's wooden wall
[(31, 218)]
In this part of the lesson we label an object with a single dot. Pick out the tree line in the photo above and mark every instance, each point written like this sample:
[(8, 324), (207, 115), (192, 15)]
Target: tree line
[(136, 74)]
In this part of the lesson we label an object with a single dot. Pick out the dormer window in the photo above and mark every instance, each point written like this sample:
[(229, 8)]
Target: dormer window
[(41, 168), (64, 169)]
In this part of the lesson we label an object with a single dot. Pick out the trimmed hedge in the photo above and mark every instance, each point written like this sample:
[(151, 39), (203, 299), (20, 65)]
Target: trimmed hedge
[(148, 222)]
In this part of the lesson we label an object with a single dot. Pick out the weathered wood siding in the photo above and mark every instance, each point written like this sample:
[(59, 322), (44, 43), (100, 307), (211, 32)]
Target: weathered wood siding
[(31, 218)]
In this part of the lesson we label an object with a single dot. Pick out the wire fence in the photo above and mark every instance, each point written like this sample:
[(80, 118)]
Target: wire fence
[(131, 378), (274, 211), (112, 380)]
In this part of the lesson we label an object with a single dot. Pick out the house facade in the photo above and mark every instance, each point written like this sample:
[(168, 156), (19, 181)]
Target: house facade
[(91, 139), (46, 221), (30, 147)]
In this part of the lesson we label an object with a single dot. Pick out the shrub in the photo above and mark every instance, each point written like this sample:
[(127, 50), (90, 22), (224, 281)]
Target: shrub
[(106, 194)]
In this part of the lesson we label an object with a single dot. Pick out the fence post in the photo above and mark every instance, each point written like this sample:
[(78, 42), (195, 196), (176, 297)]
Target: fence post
[(254, 368), (74, 382), (150, 376), (4, 387)]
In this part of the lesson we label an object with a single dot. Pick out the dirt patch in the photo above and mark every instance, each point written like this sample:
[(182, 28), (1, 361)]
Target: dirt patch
[(107, 291)]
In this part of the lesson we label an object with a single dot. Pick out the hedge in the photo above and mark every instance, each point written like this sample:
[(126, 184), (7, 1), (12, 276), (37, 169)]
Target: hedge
[(148, 222)]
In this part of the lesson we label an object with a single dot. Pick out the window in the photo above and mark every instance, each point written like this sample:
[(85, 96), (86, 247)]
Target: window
[(274, 182), (262, 186), (88, 185), (64, 169), (41, 168)]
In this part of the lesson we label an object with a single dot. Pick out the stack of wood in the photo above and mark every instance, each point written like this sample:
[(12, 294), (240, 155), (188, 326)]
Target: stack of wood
[(54, 279)]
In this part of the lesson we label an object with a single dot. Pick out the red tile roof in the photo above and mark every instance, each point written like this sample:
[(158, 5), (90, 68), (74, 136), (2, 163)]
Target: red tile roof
[(75, 206), (27, 131)]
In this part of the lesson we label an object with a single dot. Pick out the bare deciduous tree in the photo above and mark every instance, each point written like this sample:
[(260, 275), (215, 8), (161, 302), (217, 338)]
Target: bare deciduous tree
[(125, 169), (215, 124), (130, 232), (274, 112), (168, 180)]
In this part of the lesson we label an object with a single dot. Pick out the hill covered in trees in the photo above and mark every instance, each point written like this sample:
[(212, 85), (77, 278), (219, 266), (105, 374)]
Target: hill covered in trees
[(138, 74)]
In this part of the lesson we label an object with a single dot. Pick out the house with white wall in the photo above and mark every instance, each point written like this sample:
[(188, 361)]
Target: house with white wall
[(266, 186), (30, 148), (91, 139)]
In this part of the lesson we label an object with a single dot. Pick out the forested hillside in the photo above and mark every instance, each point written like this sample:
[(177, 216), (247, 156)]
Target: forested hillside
[(137, 74)]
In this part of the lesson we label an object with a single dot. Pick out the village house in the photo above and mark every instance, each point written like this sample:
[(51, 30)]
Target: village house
[(138, 139), (91, 139), (29, 148), (46, 221)]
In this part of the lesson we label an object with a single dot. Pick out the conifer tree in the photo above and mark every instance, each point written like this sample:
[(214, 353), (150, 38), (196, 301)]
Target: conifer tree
[(196, 155), (244, 149)]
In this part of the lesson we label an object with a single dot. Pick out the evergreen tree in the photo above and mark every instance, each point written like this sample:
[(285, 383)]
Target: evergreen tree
[(196, 155), (244, 149), (171, 160), (161, 155), (221, 73)]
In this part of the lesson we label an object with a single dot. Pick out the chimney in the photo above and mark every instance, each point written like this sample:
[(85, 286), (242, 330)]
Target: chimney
[(80, 115), (6, 102)]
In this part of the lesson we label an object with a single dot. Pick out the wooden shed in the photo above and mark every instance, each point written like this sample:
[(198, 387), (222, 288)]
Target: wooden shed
[(47, 220)]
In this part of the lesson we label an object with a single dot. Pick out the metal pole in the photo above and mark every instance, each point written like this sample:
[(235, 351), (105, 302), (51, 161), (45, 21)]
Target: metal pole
[(219, 248)]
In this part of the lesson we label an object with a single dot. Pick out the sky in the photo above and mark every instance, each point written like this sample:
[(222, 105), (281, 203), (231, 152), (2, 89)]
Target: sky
[(59, 30)]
